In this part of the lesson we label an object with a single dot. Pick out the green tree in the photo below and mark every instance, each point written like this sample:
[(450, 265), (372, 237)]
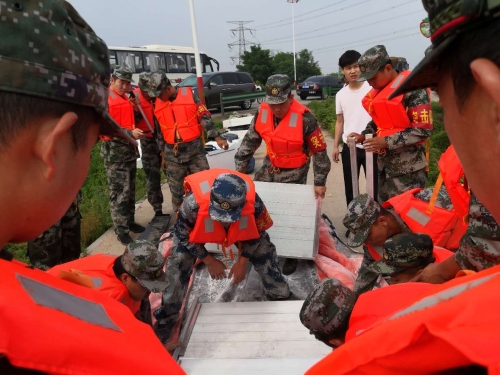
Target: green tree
[(306, 66), (283, 64), (257, 62)]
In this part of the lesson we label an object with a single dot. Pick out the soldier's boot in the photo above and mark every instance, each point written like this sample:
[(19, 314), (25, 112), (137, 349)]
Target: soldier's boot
[(290, 266), (136, 228), (124, 238), (291, 297), (159, 212)]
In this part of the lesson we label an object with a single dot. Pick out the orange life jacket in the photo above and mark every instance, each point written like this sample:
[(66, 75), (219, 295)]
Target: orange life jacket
[(99, 268), (445, 326), (440, 254), (121, 110), (207, 230), (78, 330), (178, 119), (148, 110), (285, 142)]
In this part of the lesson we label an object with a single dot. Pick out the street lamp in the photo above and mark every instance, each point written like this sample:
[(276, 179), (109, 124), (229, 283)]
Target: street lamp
[(293, 37)]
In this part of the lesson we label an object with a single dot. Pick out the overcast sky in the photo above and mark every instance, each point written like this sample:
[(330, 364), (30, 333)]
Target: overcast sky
[(327, 27)]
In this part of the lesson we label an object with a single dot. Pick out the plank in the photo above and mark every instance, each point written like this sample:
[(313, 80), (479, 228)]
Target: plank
[(249, 308), (263, 366), (225, 334), (256, 318), (247, 327), (296, 349)]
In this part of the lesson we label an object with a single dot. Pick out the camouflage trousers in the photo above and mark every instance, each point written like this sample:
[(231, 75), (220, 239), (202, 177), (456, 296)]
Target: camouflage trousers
[(389, 187), (177, 172), (121, 186), (151, 164), (180, 267), (58, 244), (267, 173)]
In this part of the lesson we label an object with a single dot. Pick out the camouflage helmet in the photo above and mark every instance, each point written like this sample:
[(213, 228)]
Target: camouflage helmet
[(123, 72), (362, 213), (371, 61), (227, 198), (142, 260), (327, 309), (447, 20), (153, 83), (403, 251), (49, 51), (278, 88)]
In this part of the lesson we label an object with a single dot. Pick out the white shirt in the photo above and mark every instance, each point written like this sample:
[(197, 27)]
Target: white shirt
[(348, 103)]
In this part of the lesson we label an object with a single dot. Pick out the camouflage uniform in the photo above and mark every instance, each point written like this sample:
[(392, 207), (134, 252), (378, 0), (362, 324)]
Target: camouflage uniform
[(252, 141), (401, 166), (120, 165), (327, 309), (60, 243), (260, 251)]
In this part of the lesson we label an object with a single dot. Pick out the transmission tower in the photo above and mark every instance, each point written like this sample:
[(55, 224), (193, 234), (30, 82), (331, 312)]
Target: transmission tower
[(242, 42)]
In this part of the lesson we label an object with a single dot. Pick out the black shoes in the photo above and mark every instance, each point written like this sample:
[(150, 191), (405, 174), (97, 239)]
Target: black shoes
[(160, 213), (124, 238), (290, 266), (136, 228)]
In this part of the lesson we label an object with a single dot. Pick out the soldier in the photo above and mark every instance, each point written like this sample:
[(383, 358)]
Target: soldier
[(120, 157), (463, 65), (60, 243), (150, 145), (399, 126), (183, 120), (221, 208), (289, 146)]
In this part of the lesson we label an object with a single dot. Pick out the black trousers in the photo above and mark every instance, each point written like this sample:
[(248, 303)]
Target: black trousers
[(346, 166)]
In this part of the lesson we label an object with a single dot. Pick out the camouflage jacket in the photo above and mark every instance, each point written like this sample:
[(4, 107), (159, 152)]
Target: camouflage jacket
[(118, 150), (480, 246), (252, 141), (186, 220), (404, 154), (190, 150)]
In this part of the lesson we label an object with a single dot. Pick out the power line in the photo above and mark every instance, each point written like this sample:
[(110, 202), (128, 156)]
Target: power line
[(242, 42), (344, 22)]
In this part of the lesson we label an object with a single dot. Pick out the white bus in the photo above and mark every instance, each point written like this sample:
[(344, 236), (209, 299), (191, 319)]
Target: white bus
[(177, 62)]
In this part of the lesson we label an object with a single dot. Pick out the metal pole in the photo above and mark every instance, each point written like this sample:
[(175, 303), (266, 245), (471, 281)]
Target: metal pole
[(370, 186), (293, 37), (354, 167), (197, 58)]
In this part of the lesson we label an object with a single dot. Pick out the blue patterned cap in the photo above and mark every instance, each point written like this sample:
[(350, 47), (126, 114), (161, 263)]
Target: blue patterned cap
[(227, 198)]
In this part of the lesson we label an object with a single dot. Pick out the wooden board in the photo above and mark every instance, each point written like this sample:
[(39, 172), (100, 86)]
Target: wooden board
[(295, 213), (249, 338)]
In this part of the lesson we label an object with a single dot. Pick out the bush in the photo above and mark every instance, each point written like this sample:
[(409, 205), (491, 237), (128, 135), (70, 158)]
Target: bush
[(324, 111)]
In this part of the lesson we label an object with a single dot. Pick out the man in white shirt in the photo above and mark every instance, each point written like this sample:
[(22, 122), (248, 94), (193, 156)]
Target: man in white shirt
[(351, 118)]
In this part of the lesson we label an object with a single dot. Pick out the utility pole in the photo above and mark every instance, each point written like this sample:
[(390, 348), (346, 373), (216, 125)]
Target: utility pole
[(242, 42)]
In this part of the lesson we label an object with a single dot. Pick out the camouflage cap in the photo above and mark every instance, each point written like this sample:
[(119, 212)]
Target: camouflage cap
[(403, 251), (142, 260), (49, 51), (153, 83), (371, 61), (278, 88), (362, 212), (327, 309), (123, 72), (447, 20), (227, 198)]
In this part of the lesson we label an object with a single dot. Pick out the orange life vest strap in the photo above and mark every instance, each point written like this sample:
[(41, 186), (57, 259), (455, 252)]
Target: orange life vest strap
[(435, 192)]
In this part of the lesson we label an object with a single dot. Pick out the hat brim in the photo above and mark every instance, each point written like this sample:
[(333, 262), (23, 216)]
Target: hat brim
[(383, 268), (426, 73), (159, 285), (276, 99), (110, 128), (357, 239), (366, 75), (224, 216)]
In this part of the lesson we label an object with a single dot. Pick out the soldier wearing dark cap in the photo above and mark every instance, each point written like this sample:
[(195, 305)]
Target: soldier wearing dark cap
[(463, 65), (399, 126), (183, 120), (221, 207), (120, 157), (292, 136)]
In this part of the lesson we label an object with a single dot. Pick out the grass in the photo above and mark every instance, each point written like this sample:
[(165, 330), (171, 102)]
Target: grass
[(324, 110)]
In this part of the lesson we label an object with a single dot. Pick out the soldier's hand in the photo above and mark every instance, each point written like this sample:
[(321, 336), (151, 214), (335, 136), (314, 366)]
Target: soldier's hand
[(222, 143), (138, 134), (335, 155), (238, 270), (319, 191), (429, 274), (216, 268), (136, 102), (163, 164), (359, 138), (375, 144)]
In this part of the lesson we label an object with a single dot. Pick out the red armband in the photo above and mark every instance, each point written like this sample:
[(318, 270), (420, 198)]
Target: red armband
[(421, 116), (316, 141), (264, 221), (202, 110)]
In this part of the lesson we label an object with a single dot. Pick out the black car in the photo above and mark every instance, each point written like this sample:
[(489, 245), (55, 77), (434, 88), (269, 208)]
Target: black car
[(223, 82), (313, 86)]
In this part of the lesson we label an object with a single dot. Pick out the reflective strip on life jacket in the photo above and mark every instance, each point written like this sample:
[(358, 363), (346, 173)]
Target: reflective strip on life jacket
[(284, 143)]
